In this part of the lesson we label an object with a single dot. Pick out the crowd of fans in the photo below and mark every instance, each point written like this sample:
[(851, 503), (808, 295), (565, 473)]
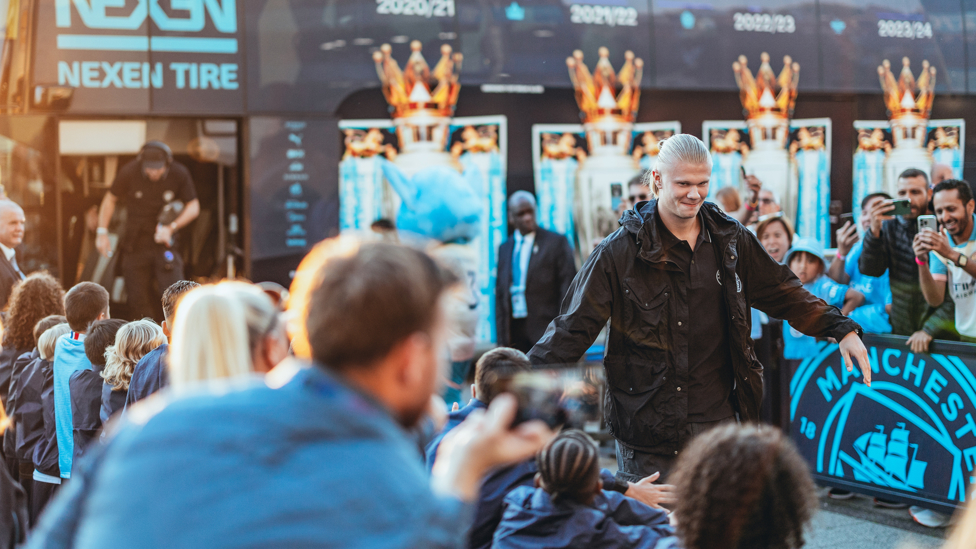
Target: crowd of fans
[(254, 416)]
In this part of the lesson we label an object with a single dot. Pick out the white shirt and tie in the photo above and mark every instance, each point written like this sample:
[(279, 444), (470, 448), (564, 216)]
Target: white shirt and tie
[(11, 256), (521, 253)]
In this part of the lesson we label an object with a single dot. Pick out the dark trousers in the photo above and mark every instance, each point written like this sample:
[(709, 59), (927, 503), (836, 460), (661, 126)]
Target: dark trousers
[(42, 493), (634, 464), (519, 335), (148, 270), (25, 475)]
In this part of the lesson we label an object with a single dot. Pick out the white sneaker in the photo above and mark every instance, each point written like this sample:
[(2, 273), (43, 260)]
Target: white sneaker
[(928, 517)]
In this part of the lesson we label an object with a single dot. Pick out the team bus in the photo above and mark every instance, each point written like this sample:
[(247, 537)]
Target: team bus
[(249, 94)]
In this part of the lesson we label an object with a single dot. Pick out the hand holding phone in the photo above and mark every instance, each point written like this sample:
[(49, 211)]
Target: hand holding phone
[(902, 207), (927, 222)]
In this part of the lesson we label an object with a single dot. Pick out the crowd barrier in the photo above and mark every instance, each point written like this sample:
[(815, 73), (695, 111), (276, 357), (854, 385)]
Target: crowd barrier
[(909, 437)]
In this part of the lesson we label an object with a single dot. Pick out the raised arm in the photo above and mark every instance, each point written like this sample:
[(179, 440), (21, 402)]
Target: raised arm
[(584, 312)]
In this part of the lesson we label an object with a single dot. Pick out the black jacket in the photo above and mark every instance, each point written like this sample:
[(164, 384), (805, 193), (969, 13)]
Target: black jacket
[(893, 252), (9, 277), (46, 450), (17, 369), (551, 270), (629, 280), (28, 411)]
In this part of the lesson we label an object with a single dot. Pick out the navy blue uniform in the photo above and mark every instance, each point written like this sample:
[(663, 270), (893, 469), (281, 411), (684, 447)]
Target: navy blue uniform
[(149, 375)]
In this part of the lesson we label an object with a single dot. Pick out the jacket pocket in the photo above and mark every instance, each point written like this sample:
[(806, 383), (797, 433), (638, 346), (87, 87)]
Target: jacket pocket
[(645, 313), (639, 408)]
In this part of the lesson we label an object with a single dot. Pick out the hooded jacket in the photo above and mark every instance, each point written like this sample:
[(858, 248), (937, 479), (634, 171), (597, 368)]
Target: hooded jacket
[(533, 521), (630, 281)]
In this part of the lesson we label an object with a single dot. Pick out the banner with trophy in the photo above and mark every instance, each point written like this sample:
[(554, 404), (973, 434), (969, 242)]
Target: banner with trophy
[(810, 155), (560, 151), (728, 142), (909, 139), (428, 175)]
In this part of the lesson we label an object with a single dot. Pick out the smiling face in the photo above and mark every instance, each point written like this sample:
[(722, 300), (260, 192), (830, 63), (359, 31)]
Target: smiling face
[(806, 267), (956, 217), (682, 189), (776, 240)]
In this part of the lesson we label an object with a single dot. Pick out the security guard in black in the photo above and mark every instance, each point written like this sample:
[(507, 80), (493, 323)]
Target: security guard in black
[(150, 261)]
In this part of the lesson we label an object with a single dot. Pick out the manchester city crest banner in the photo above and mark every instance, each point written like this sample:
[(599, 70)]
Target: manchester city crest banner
[(910, 436)]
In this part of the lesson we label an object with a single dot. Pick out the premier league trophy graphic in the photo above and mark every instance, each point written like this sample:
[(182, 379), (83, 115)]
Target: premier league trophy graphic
[(608, 102), (768, 103), (909, 103)]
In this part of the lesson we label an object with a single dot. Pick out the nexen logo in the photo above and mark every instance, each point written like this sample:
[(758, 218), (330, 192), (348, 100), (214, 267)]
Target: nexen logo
[(93, 14)]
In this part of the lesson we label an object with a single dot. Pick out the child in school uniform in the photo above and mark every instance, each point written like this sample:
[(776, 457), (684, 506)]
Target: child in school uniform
[(84, 304), (86, 385), (806, 260), (47, 474), (133, 341), (569, 508)]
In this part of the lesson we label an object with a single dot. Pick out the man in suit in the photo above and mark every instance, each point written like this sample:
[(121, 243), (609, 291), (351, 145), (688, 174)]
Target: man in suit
[(12, 222), (535, 268)]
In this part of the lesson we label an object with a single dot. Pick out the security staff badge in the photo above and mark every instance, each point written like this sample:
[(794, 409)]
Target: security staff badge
[(168, 196)]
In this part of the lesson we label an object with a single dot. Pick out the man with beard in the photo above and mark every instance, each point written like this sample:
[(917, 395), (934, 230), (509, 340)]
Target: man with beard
[(888, 247), (945, 258), (676, 282)]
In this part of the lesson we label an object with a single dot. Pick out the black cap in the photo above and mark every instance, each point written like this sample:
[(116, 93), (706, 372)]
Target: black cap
[(153, 158)]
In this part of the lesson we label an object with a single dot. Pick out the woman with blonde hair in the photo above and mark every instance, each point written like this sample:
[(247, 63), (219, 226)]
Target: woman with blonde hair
[(225, 330), (132, 342)]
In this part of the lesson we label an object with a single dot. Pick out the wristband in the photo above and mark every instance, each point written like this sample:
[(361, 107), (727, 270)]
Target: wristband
[(841, 257), (101, 230), (920, 262)]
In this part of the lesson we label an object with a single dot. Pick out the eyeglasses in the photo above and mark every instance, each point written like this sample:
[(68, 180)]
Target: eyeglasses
[(767, 200), (635, 198)]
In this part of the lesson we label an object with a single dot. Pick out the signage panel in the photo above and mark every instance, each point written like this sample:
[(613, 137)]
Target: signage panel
[(910, 437), (856, 36), (142, 55)]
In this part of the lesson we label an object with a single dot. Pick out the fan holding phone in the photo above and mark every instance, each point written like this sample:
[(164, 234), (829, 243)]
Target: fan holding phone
[(948, 257)]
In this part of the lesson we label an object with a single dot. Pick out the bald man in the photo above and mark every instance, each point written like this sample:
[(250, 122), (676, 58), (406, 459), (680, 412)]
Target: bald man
[(12, 222), (535, 268)]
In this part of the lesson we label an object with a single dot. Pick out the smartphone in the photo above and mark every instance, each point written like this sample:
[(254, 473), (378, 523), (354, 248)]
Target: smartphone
[(568, 397), (927, 222), (902, 207), (616, 196), (845, 217), (743, 170)]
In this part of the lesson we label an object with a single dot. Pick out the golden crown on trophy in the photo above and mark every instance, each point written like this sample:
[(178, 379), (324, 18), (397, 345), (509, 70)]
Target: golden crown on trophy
[(597, 93), (767, 94), (417, 89), (908, 97)]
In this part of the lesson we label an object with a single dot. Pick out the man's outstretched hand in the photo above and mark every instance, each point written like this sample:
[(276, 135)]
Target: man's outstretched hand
[(852, 347)]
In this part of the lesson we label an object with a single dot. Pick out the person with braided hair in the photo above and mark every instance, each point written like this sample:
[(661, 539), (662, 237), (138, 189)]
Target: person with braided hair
[(568, 507), (742, 487)]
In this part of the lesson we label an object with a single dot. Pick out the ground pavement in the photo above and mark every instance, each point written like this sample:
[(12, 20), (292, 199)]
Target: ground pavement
[(857, 523)]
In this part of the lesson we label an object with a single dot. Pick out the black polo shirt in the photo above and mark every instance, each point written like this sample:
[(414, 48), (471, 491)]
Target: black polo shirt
[(145, 199), (709, 360)]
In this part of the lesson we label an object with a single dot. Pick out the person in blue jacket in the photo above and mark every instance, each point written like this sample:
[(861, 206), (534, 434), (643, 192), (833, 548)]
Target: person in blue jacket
[(150, 374), (873, 314), (84, 304), (568, 507), (806, 260), (283, 461)]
